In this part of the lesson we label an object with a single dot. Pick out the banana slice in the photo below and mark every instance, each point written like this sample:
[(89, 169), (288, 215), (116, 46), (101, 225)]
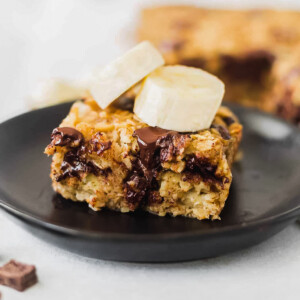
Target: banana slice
[(53, 91), (179, 98), (110, 82)]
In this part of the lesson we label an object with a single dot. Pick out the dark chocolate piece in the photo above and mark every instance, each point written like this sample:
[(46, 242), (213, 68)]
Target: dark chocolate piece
[(124, 102), (75, 160), (75, 163), (228, 120), (17, 275), (66, 136), (136, 185), (156, 145), (149, 139), (252, 66), (222, 130), (201, 166)]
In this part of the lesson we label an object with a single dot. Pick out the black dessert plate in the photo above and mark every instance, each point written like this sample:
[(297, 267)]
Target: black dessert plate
[(264, 198)]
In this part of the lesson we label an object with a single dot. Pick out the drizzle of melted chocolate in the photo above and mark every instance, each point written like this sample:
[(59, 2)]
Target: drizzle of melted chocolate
[(156, 146), (66, 136), (149, 140)]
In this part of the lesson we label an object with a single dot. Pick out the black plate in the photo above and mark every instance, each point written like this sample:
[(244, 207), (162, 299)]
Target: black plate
[(264, 197)]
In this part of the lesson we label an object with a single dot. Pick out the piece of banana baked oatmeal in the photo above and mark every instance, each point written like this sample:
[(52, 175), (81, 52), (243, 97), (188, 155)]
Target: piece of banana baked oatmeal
[(109, 158), (256, 53)]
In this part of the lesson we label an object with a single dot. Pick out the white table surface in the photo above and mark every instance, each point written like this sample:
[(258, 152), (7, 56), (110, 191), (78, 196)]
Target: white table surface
[(42, 39)]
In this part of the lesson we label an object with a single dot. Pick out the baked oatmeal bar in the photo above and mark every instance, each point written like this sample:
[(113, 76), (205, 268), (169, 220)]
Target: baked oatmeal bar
[(108, 158), (256, 53)]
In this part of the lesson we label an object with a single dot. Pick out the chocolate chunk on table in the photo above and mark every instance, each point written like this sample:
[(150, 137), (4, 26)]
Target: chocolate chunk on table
[(17, 275)]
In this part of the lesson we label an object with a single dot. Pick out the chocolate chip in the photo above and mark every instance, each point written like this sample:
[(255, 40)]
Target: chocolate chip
[(75, 163), (201, 166), (124, 102), (156, 146), (17, 275), (149, 140), (135, 190), (228, 120), (222, 130), (66, 136)]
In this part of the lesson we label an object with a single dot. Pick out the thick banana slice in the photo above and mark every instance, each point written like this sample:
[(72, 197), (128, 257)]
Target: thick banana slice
[(179, 98), (116, 78)]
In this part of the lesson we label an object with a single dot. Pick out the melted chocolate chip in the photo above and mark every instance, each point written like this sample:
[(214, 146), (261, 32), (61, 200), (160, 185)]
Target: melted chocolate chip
[(201, 166), (75, 163), (104, 146), (222, 130), (156, 146), (136, 188), (251, 67), (124, 102), (66, 136), (228, 120), (75, 160), (149, 140)]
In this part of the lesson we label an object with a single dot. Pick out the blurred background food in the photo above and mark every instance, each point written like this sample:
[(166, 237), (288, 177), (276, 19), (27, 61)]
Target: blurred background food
[(67, 39), (255, 52)]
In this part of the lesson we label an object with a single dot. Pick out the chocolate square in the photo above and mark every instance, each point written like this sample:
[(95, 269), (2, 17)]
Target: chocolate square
[(17, 275)]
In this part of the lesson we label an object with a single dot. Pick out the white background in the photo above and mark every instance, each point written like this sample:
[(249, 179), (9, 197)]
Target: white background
[(65, 39)]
